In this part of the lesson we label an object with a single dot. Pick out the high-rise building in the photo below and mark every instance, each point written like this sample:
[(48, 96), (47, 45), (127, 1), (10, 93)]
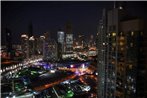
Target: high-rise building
[(91, 41), (121, 56), (50, 48), (102, 56), (61, 39), (113, 64), (81, 40), (25, 45), (132, 45), (31, 46), (69, 37), (41, 45), (60, 35)]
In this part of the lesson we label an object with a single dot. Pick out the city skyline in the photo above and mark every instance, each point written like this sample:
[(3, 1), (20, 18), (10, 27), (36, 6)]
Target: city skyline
[(74, 49), (49, 16)]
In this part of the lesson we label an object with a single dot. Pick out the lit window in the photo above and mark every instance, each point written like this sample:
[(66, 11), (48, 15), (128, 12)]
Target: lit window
[(121, 49), (131, 44), (102, 27), (132, 33), (113, 62), (122, 38), (130, 66), (120, 7), (121, 33), (114, 44), (112, 49), (113, 34), (121, 43)]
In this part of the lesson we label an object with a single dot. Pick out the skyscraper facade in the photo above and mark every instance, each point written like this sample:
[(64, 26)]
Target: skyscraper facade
[(102, 56), (129, 41), (69, 38), (32, 46), (41, 43), (113, 60), (61, 35), (61, 43), (50, 48), (25, 45), (121, 60)]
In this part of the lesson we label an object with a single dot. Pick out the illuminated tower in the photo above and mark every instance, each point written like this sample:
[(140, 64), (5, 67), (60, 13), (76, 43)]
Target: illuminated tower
[(25, 45), (61, 39), (113, 89), (32, 46), (119, 66), (60, 35), (102, 56), (132, 47), (108, 55), (49, 48), (31, 40), (91, 41), (41, 44), (69, 37), (122, 56)]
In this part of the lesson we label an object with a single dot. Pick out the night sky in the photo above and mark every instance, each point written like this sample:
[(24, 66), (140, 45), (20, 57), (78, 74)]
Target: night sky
[(49, 16)]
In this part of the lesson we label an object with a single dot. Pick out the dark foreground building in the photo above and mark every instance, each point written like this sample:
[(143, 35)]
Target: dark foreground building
[(122, 56)]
